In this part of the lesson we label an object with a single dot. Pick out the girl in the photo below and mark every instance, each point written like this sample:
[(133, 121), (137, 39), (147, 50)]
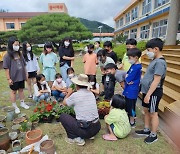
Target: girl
[(66, 54), (59, 88), (41, 89), (15, 69), (49, 60), (94, 85), (32, 66), (90, 61), (70, 73), (117, 120)]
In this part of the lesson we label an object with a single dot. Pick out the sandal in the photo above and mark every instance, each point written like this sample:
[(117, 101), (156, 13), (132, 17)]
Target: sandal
[(109, 138)]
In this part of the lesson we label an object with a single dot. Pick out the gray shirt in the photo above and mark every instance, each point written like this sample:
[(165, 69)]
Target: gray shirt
[(120, 75), (156, 67), (84, 104), (16, 67)]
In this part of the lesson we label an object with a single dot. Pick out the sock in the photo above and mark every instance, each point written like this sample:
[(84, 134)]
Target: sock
[(153, 134), (146, 129), (14, 104)]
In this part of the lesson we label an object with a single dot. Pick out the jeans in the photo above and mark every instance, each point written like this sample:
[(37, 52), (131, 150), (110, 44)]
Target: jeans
[(63, 70), (73, 130), (57, 94), (42, 97)]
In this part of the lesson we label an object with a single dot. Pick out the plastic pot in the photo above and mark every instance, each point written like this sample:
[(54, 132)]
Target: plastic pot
[(16, 145), (16, 128), (33, 136), (13, 135), (4, 139), (10, 112), (47, 147)]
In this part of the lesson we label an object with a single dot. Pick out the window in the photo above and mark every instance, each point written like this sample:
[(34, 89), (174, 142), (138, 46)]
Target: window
[(134, 13), (159, 28), (126, 33), (121, 22), (128, 17), (10, 25), (146, 7), (145, 32), (158, 3), (22, 24), (133, 33), (117, 24)]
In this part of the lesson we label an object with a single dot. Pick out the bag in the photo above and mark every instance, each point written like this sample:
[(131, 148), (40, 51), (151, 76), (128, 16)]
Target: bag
[(83, 124)]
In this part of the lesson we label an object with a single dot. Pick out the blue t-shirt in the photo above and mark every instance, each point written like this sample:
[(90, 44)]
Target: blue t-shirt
[(133, 75)]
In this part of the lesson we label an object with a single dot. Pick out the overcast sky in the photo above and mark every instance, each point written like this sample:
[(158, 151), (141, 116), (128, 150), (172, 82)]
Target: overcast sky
[(99, 10)]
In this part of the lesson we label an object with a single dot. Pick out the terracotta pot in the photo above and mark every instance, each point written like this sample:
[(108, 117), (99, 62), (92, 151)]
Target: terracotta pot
[(33, 136), (4, 134), (47, 147)]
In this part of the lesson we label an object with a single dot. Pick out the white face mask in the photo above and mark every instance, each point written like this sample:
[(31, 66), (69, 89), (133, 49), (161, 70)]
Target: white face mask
[(43, 82), (28, 49), (15, 48), (92, 83), (71, 76), (150, 55), (66, 43), (131, 61)]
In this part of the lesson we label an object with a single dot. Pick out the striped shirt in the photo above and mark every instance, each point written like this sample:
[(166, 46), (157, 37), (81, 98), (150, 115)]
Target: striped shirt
[(84, 104)]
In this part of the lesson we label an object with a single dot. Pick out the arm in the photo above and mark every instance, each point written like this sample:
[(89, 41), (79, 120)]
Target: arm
[(8, 77), (122, 84), (95, 91), (68, 58)]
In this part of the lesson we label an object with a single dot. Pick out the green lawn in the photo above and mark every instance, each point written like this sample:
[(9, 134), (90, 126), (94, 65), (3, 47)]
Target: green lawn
[(55, 131)]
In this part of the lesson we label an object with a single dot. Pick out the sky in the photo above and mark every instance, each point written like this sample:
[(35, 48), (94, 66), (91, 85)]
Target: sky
[(98, 10)]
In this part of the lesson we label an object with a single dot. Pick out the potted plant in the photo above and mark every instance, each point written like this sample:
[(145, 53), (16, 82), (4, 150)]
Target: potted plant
[(25, 126), (33, 136), (35, 120), (103, 109)]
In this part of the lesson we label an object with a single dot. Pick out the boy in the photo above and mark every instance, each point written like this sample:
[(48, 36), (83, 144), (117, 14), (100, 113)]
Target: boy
[(152, 89), (118, 74), (130, 43), (108, 46), (132, 81)]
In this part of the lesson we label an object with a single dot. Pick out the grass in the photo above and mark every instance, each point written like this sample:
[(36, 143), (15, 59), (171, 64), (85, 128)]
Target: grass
[(55, 131)]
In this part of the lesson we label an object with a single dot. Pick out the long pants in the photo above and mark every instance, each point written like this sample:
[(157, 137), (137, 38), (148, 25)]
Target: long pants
[(73, 130), (57, 94), (42, 97), (63, 70)]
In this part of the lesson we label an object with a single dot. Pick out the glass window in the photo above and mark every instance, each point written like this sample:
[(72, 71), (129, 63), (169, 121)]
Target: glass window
[(146, 7), (133, 33), (117, 24), (121, 21), (126, 33), (134, 13), (22, 24), (158, 3), (145, 32), (128, 17), (10, 25), (159, 28)]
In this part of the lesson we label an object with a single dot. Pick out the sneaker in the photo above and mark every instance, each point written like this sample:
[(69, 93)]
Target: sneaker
[(69, 140), (142, 133), (133, 125), (102, 93), (23, 105), (150, 139), (79, 141), (92, 138), (17, 110), (30, 97)]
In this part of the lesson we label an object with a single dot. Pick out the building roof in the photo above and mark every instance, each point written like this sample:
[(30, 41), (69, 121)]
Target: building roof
[(103, 34), (132, 3), (20, 14)]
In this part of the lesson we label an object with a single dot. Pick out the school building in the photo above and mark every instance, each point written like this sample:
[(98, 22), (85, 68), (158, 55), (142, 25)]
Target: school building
[(146, 19), (15, 20)]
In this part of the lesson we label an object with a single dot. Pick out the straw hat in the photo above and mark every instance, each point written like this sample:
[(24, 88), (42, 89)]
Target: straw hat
[(81, 80)]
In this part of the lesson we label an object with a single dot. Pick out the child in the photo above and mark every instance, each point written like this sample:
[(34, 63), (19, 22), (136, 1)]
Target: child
[(15, 69), (70, 73), (108, 46), (90, 61), (32, 66), (41, 89), (152, 89), (132, 82), (94, 85), (59, 88), (97, 47), (117, 120), (49, 60)]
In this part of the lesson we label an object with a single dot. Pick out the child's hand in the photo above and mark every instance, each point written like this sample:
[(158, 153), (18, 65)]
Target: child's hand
[(10, 82), (146, 99), (130, 83)]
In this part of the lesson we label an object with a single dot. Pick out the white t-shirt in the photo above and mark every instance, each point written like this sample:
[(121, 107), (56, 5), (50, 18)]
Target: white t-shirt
[(32, 65), (59, 85), (36, 89)]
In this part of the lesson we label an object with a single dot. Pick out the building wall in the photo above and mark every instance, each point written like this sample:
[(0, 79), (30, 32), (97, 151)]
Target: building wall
[(148, 19)]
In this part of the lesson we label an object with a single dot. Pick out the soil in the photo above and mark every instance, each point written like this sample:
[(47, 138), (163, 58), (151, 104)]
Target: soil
[(32, 136), (47, 145)]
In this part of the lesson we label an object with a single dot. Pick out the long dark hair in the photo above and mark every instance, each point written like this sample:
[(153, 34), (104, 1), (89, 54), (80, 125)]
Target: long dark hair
[(10, 47), (70, 47), (92, 78), (24, 51), (38, 78), (48, 45)]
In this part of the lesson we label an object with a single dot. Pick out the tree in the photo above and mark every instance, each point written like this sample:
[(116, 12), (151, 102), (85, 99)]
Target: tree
[(121, 38), (53, 27)]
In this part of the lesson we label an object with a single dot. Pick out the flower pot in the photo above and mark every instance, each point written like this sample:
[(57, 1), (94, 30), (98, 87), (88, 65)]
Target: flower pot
[(22, 135), (2, 152), (46, 119), (47, 147), (16, 128), (13, 135), (10, 112), (33, 136), (35, 123), (16, 145), (18, 120), (4, 139)]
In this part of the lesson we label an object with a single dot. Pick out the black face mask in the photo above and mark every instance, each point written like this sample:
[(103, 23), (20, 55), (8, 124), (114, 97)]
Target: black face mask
[(89, 51), (127, 49)]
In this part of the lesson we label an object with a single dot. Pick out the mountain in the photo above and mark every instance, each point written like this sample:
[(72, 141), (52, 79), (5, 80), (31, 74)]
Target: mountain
[(93, 26)]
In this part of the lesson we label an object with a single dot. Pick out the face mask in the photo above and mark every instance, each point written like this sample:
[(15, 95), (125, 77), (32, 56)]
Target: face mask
[(131, 61), (150, 55), (92, 83), (28, 49), (59, 80), (127, 49), (15, 48), (71, 76), (66, 43), (43, 82)]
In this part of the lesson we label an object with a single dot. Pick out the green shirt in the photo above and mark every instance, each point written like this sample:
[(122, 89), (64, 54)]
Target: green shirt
[(126, 64), (49, 60), (120, 120)]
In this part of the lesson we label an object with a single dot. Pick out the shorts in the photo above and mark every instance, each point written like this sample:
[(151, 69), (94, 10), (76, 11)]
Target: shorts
[(49, 73), (32, 74), (17, 85), (154, 100), (131, 107)]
